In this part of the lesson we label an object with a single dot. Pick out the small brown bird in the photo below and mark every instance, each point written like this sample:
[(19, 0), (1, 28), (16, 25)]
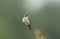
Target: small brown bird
[(26, 21)]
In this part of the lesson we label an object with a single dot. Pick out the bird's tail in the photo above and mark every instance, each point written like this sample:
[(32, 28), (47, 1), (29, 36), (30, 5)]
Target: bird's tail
[(29, 26)]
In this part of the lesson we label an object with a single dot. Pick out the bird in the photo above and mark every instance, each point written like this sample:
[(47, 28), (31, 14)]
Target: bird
[(26, 21)]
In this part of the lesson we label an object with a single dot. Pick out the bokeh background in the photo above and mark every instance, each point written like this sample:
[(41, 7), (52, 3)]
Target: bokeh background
[(45, 14)]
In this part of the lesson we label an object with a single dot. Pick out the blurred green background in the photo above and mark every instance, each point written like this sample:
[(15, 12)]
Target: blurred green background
[(48, 19)]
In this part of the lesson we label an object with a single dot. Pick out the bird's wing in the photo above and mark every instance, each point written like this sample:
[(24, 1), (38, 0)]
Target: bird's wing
[(23, 20)]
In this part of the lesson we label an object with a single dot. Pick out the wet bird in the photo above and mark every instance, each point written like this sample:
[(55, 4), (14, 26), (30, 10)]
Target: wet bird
[(26, 21)]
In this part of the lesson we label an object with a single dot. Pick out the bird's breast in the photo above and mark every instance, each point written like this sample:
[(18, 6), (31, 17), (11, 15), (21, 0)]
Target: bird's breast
[(26, 20)]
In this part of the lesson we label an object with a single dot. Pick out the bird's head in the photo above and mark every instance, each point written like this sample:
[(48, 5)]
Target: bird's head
[(26, 15)]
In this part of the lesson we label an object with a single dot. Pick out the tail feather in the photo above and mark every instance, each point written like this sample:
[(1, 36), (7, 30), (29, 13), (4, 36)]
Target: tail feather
[(29, 26)]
